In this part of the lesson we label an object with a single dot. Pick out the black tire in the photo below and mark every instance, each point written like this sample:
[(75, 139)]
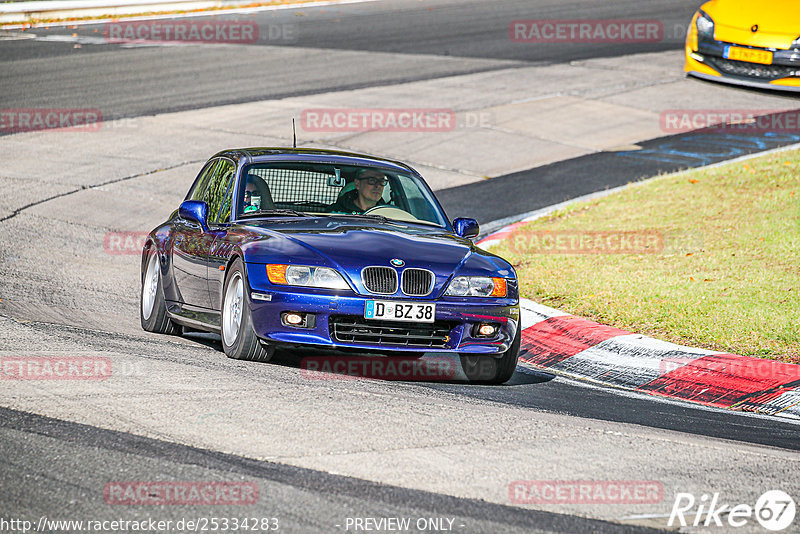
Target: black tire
[(158, 320), (484, 369), (244, 345)]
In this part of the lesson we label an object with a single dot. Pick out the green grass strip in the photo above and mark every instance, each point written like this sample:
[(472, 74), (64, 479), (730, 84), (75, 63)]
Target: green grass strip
[(709, 258)]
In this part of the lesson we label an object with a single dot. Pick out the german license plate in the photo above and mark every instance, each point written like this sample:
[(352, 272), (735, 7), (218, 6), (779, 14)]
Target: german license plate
[(391, 310), (763, 57)]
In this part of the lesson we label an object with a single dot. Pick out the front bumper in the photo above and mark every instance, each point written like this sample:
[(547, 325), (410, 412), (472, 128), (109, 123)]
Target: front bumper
[(709, 62), (456, 316), (783, 85)]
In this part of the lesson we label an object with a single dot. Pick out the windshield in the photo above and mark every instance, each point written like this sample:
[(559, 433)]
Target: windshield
[(326, 189)]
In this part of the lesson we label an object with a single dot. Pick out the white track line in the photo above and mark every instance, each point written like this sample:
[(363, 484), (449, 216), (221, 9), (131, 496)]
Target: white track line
[(211, 13)]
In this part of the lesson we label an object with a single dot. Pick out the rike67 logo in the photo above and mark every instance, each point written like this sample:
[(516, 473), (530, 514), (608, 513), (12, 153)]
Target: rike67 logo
[(775, 511)]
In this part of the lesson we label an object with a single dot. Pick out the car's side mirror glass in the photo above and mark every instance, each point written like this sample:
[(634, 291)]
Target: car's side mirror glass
[(465, 227), (195, 210)]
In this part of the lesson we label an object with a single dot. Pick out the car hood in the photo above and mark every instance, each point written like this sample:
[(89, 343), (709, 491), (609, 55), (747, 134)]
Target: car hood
[(778, 21), (350, 245)]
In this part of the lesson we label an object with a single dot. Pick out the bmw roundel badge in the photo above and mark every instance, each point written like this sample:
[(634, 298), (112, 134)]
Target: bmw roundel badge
[(397, 263)]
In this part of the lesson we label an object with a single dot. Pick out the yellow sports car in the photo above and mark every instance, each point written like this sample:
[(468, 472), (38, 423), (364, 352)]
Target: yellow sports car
[(746, 42)]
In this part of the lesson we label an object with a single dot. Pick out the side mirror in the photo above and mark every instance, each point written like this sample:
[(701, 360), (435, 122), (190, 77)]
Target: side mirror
[(195, 210), (466, 228)]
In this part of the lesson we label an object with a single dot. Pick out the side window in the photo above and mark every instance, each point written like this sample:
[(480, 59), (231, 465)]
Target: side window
[(225, 212), (214, 194), (201, 183)]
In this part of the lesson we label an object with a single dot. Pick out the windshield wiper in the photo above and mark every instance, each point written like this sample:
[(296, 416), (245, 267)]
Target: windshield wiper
[(276, 213), (360, 215), (383, 218)]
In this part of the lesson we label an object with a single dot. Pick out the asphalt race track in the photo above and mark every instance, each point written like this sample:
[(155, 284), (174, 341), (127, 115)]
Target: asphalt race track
[(303, 499), (323, 452), (404, 40)]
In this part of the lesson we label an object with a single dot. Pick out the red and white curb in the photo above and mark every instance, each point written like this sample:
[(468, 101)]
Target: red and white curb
[(579, 348)]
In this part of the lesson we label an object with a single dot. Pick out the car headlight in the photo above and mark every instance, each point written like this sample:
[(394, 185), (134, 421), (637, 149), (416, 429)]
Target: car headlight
[(705, 25), (477, 286), (307, 276), (796, 43)]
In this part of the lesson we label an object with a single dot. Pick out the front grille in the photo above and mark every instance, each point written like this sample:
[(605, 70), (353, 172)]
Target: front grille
[(417, 282), (380, 280), (355, 329), (751, 70)]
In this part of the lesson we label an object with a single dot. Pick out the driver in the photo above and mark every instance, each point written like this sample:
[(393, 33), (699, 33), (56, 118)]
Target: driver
[(256, 195), (369, 184), (251, 204)]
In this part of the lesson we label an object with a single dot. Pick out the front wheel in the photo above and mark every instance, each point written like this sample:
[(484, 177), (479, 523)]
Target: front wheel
[(152, 309), (484, 369), (239, 340)]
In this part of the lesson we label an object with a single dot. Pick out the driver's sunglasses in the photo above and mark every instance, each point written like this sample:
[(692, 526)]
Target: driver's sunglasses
[(376, 181), (248, 193)]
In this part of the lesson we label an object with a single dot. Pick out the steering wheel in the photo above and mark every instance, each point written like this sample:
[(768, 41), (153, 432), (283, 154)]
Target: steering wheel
[(391, 212)]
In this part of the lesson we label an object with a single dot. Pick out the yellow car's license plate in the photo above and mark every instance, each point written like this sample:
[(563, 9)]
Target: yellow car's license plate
[(748, 54)]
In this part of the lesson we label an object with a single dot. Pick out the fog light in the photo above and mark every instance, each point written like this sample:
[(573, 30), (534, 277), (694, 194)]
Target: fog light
[(486, 330), (294, 318), (300, 320)]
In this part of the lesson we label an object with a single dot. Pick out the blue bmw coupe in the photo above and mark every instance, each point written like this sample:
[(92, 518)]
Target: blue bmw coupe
[(293, 248)]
